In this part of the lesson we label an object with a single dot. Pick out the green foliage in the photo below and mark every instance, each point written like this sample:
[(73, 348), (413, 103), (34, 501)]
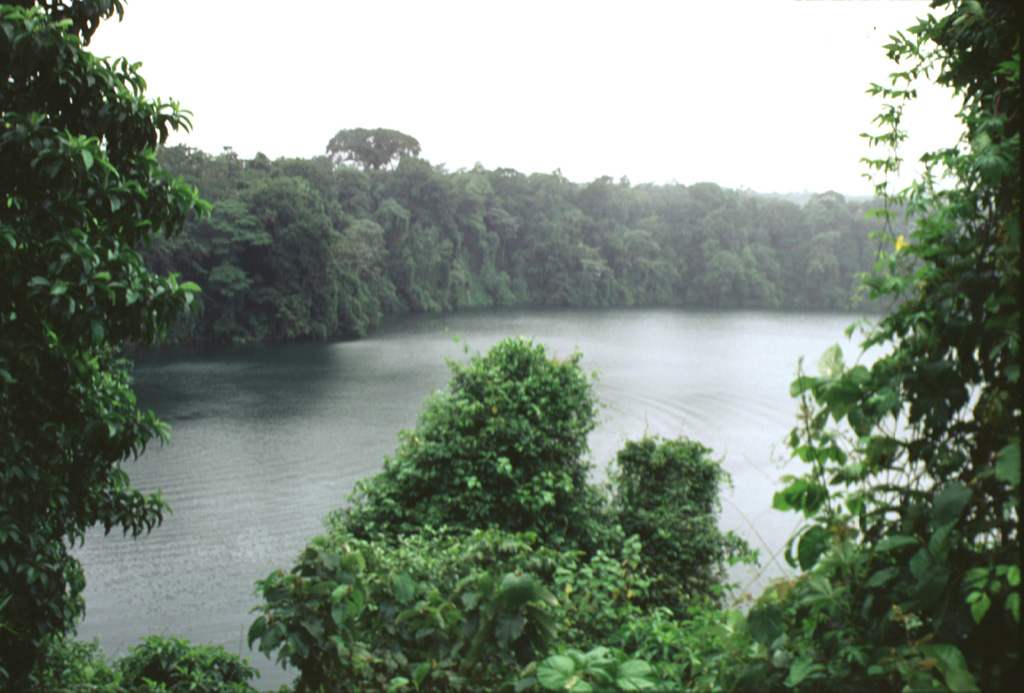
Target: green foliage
[(913, 485), (74, 666), (667, 493), (82, 193), (503, 448), (444, 612), (176, 666), (436, 612), (421, 584), (169, 665), (600, 594), (372, 149), (599, 669), (415, 237)]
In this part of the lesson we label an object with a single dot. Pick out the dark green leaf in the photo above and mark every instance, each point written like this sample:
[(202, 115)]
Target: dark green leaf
[(635, 675), (1008, 464), (950, 503), (894, 542), (765, 624), (813, 543), (405, 588)]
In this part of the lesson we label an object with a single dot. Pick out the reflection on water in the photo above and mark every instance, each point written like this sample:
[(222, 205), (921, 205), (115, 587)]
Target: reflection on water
[(268, 439)]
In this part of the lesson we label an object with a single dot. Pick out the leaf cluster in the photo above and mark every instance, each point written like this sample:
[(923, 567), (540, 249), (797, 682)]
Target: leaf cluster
[(82, 192), (436, 612), (504, 447), (916, 458), (166, 664), (481, 546), (667, 494), (372, 149)]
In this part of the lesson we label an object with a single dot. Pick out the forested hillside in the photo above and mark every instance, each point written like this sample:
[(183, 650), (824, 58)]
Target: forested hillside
[(324, 247)]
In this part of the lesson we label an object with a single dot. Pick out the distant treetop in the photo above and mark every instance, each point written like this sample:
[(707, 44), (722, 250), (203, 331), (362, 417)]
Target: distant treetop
[(372, 149)]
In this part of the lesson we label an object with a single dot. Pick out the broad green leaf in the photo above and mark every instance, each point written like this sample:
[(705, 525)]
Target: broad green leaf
[(353, 562), (820, 584), (314, 627), (813, 543), (1008, 464), (635, 675), (339, 593), (896, 541), (881, 577), (258, 628), (358, 598), (859, 375), (98, 331), (801, 385), (556, 672), (802, 667), (1013, 605), (831, 362), (782, 500), (405, 588), (340, 614), (323, 588), (961, 681), (542, 621), (921, 563), (949, 504), (397, 684), (765, 624), (421, 673), (953, 666), (980, 607), (508, 629), (331, 560)]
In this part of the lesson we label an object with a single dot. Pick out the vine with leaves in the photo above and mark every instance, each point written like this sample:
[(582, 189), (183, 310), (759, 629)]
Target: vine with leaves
[(914, 484)]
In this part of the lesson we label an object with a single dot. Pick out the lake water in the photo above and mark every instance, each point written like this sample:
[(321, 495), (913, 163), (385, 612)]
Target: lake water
[(268, 439)]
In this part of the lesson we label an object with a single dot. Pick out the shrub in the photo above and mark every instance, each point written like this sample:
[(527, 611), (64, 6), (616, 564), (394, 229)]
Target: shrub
[(444, 612), (438, 611), (169, 665), (176, 666), (73, 666), (600, 596), (600, 669), (503, 448), (667, 493), (912, 483), (386, 600)]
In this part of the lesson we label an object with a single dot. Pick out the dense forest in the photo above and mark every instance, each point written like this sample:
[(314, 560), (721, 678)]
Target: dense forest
[(480, 558), (324, 247)]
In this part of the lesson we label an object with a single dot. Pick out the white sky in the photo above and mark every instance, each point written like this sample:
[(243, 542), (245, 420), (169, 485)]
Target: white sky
[(766, 95)]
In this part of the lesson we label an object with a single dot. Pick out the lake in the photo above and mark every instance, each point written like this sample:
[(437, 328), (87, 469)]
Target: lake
[(268, 439)]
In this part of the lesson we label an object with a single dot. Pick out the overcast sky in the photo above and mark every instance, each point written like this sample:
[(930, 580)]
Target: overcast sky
[(765, 95)]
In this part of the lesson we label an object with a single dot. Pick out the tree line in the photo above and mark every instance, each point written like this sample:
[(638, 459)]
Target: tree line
[(325, 247)]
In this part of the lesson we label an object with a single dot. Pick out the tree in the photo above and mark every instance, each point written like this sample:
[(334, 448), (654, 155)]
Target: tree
[(667, 492), (372, 149), (504, 448), (915, 542), (82, 191)]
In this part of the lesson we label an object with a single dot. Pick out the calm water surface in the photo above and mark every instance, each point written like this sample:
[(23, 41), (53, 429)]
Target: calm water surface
[(268, 439)]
